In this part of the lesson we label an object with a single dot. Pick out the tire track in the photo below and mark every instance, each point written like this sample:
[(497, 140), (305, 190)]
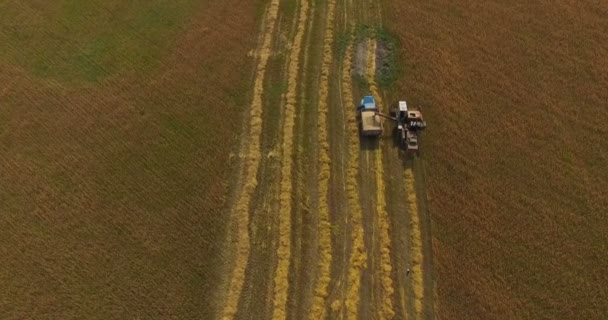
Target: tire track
[(417, 275), (325, 250), (358, 257), (251, 164), (386, 308), (281, 283), (264, 221), (338, 200), (301, 289)]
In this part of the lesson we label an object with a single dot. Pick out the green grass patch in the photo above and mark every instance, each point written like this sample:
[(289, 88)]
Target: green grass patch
[(88, 41), (341, 42), (288, 9), (362, 32), (388, 68)]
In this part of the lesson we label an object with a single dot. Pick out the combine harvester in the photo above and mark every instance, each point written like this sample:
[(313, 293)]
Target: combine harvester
[(409, 123)]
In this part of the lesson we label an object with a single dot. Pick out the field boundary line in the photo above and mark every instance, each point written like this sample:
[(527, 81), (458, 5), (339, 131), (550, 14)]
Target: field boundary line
[(251, 165)]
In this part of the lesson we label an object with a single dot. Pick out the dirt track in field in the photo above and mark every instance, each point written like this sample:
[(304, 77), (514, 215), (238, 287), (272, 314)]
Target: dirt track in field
[(358, 256), (324, 162), (250, 167), (325, 223), (281, 283)]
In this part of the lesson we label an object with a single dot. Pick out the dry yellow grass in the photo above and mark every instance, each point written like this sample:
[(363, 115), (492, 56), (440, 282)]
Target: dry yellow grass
[(281, 284), (416, 253), (386, 310), (325, 254), (250, 166)]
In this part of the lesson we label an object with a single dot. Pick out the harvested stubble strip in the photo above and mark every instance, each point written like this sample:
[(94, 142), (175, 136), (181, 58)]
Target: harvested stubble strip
[(415, 242), (358, 257), (281, 283), (251, 165), (386, 310), (325, 250)]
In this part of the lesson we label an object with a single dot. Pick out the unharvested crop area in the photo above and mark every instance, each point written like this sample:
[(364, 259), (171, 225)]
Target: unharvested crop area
[(517, 158), (116, 121)]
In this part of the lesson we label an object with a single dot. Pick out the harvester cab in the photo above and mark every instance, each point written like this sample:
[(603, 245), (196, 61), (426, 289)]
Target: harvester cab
[(401, 115), (409, 123)]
